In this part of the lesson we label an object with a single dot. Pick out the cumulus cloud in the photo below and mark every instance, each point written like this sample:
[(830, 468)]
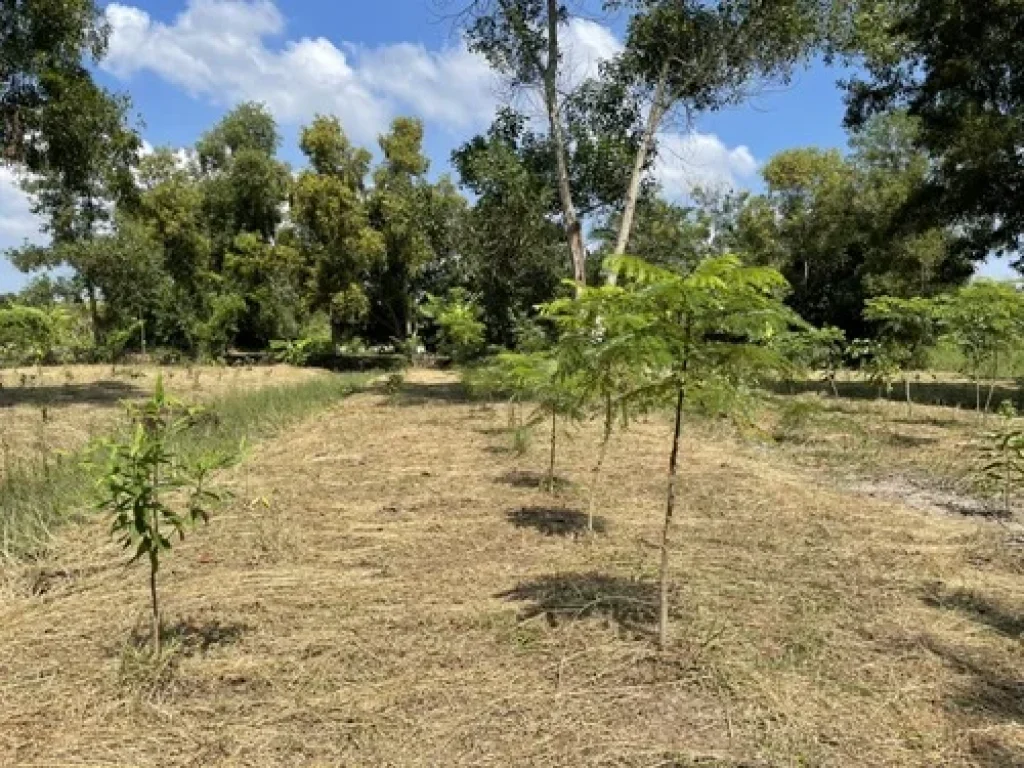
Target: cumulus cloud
[(220, 50), (17, 222), (701, 160)]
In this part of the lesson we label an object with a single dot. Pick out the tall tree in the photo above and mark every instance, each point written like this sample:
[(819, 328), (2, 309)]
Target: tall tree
[(827, 222), (83, 171), (331, 223), (244, 184), (44, 49), (955, 65), (685, 57), (399, 209), (515, 254), (244, 188), (521, 41)]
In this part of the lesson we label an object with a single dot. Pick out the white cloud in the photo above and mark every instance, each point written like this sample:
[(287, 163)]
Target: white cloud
[(215, 49), (17, 225), (701, 160), (17, 222), (219, 50), (454, 86), (586, 44)]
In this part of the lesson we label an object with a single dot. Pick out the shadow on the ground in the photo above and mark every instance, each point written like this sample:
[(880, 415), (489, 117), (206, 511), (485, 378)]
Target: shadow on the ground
[(989, 691), (56, 395), (978, 607), (418, 393), (192, 636), (554, 521), (519, 478), (573, 596), (988, 752), (901, 440), (944, 393)]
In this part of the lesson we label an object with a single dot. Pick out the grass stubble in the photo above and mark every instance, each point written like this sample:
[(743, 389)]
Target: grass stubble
[(382, 593)]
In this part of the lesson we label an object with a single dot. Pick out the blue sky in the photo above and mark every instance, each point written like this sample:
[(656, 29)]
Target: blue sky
[(185, 62)]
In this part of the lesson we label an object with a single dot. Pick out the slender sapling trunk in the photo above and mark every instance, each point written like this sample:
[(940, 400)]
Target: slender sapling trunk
[(992, 382), (554, 439), (601, 453), (155, 619), (154, 564), (673, 471), (910, 401)]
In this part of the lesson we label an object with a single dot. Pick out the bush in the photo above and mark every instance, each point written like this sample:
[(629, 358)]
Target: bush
[(460, 330)]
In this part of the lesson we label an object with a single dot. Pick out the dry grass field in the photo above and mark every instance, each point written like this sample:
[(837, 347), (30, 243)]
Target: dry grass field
[(390, 587), (60, 408)]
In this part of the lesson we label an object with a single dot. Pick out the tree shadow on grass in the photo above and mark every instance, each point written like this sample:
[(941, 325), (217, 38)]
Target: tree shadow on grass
[(990, 691), (978, 607), (989, 752), (554, 521), (57, 395), (193, 637), (960, 394), (417, 393), (573, 596), (900, 440), (518, 478), (984, 695)]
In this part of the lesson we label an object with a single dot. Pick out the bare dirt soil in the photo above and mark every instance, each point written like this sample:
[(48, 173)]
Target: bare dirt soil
[(392, 588)]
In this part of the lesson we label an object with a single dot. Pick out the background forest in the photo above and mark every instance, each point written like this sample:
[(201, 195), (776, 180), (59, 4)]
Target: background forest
[(192, 252)]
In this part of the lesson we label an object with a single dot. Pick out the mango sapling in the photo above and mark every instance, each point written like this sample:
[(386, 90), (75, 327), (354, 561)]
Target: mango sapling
[(150, 491)]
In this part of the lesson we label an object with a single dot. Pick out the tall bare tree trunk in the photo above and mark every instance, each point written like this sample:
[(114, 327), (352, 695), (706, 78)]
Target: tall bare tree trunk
[(570, 219), (654, 117), (673, 472)]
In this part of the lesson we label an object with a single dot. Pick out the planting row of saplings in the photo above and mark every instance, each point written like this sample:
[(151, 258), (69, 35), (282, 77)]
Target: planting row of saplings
[(656, 339)]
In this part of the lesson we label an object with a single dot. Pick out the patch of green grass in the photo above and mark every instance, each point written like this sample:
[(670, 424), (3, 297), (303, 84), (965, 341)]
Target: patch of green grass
[(39, 493)]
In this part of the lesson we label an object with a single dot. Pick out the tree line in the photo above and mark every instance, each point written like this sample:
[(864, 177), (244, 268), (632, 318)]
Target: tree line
[(222, 245)]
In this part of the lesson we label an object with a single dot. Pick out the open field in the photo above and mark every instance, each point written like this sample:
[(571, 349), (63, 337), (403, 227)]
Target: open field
[(391, 587), (60, 408), (49, 460)]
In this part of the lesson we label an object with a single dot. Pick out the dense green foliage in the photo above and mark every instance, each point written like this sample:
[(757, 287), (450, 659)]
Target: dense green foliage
[(955, 66), (221, 246)]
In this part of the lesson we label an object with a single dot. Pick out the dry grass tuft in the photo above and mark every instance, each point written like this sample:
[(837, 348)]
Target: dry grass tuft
[(374, 597)]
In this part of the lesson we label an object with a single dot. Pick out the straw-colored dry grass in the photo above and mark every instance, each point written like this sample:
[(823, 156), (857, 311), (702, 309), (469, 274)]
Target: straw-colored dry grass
[(82, 401), (392, 589)]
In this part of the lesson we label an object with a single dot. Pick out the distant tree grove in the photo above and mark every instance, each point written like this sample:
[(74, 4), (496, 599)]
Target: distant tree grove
[(194, 251)]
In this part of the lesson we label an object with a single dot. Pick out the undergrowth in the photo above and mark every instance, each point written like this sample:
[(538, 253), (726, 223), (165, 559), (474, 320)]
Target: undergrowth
[(40, 492)]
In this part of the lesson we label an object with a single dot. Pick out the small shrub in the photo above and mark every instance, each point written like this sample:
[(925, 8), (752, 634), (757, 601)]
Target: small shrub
[(460, 333), (1003, 454)]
